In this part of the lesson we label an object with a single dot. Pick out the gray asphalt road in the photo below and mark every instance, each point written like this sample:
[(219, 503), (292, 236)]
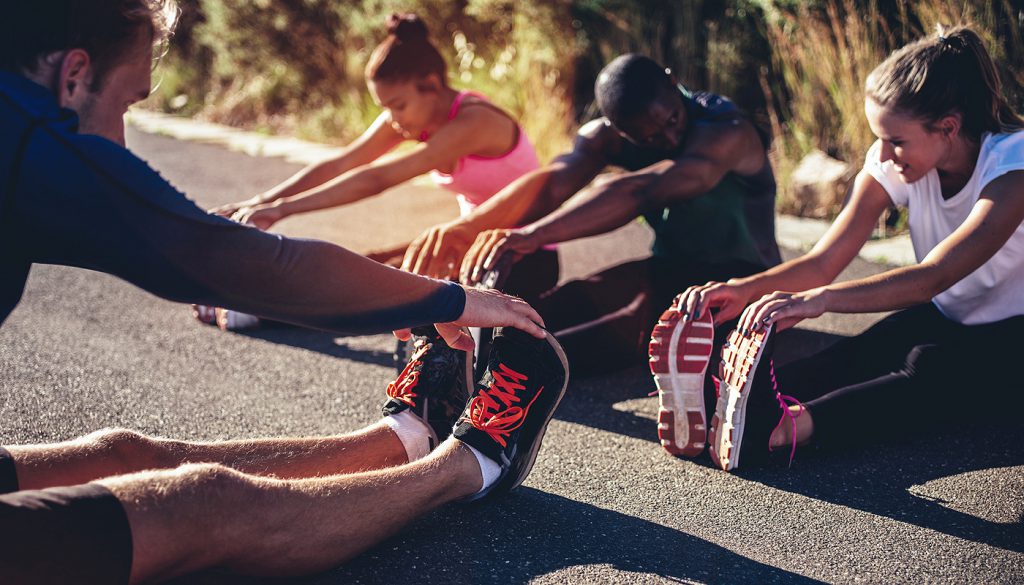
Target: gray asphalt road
[(604, 503)]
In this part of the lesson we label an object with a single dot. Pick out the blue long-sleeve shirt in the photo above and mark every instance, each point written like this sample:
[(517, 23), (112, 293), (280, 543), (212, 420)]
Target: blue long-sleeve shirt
[(79, 200)]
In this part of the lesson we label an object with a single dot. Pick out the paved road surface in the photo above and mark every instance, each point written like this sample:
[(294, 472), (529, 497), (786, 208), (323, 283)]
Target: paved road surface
[(604, 503)]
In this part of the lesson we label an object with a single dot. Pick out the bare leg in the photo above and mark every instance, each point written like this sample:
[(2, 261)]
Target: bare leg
[(201, 516), (113, 452), (783, 436)]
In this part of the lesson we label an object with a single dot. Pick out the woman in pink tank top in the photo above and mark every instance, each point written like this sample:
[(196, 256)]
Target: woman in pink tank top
[(475, 178), (469, 146)]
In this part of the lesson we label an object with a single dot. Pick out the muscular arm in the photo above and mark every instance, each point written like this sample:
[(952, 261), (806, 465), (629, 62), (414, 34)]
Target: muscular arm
[(532, 196), (716, 148), (540, 192)]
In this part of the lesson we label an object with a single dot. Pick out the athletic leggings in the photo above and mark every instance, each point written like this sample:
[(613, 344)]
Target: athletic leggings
[(604, 322), (913, 371)]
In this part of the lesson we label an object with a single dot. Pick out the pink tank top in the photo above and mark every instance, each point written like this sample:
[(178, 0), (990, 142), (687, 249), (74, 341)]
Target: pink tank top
[(476, 179)]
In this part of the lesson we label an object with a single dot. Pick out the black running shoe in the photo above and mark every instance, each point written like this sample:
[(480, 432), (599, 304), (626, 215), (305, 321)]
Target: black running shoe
[(435, 384), (513, 403), (493, 279), (749, 405)]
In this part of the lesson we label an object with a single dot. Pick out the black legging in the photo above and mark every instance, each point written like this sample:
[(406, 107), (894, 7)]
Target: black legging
[(604, 321), (914, 370)]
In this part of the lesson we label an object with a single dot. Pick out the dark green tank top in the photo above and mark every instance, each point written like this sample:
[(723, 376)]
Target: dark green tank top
[(734, 221)]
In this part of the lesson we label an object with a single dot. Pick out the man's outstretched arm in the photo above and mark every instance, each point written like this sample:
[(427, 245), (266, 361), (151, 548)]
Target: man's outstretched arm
[(108, 211), (717, 149), (439, 251)]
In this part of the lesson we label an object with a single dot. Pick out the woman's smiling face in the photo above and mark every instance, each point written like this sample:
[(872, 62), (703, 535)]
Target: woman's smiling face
[(913, 148)]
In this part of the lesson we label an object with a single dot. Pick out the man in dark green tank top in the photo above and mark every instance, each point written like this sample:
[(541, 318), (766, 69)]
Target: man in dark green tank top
[(693, 166)]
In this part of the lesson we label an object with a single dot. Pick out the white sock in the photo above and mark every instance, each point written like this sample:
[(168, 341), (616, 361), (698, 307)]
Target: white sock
[(416, 436), (488, 468)]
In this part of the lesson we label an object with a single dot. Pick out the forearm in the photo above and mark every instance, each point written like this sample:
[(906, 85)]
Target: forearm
[(308, 178), (888, 291), (799, 274), (593, 211), (524, 200), (305, 282), (348, 188)]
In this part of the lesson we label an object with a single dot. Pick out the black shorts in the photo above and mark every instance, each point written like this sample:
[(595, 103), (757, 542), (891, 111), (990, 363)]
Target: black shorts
[(77, 534)]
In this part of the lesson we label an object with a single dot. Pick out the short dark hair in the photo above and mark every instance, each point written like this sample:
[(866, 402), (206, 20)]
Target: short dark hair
[(627, 86), (105, 29), (406, 53)]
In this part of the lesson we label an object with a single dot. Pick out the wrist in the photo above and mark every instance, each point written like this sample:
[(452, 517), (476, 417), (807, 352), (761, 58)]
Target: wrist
[(534, 235), (283, 207), (745, 288), (825, 296)]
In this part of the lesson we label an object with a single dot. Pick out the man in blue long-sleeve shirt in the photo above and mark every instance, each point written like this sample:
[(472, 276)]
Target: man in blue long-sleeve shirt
[(71, 194)]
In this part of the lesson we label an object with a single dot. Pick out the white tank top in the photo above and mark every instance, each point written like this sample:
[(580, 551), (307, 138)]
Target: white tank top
[(994, 291)]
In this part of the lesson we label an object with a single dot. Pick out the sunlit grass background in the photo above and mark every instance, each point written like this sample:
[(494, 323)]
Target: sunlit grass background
[(295, 66)]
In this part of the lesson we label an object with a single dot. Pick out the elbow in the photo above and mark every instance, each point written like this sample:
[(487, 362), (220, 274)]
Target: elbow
[(637, 191), (374, 180)]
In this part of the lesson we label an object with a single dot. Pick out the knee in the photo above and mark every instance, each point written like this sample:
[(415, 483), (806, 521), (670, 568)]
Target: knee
[(213, 482), (131, 448)]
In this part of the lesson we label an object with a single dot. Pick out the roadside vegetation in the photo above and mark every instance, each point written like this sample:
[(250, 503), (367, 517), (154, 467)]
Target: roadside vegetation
[(295, 66)]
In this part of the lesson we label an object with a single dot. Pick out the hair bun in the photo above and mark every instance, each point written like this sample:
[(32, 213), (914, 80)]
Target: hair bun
[(407, 27)]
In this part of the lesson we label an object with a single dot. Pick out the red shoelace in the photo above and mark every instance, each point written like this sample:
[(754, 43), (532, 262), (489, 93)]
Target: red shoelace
[(492, 410), (401, 388)]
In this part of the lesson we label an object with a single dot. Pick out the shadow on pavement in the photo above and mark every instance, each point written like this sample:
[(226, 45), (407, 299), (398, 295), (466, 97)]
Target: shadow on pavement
[(594, 397), (319, 342), (533, 533), (879, 479), (886, 479)]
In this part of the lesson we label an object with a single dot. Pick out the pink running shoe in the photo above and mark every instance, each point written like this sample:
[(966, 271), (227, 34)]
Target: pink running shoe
[(679, 353)]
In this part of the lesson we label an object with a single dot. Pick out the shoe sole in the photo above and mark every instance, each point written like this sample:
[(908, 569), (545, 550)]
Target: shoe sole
[(740, 358), (679, 353), (509, 483)]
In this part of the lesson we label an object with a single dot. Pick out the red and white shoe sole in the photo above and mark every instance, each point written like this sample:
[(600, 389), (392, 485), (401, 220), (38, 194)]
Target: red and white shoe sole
[(740, 357), (679, 353)]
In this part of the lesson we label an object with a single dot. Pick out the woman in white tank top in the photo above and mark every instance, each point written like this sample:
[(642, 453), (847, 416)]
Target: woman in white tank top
[(950, 149)]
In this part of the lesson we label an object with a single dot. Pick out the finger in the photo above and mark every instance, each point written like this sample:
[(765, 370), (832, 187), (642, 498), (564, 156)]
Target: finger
[(411, 254), (746, 317), (497, 248), (529, 312), (456, 337), (764, 315), (483, 252), (442, 265), (402, 334), (469, 261), (425, 254)]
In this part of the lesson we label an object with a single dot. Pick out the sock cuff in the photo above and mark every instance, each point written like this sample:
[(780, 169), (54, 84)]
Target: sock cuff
[(489, 469), (416, 436)]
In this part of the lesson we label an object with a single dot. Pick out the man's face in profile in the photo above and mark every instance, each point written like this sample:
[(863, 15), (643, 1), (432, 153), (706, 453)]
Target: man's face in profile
[(101, 112), (661, 127)]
